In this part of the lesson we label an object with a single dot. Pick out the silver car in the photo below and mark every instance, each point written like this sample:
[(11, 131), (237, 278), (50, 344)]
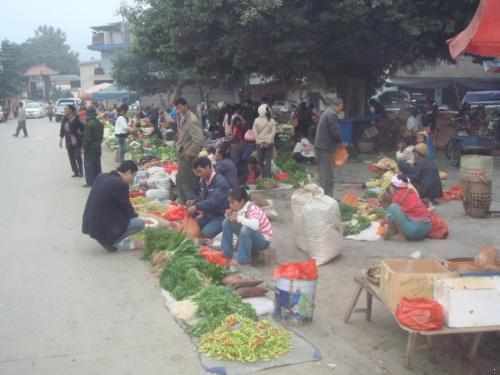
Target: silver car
[(35, 110)]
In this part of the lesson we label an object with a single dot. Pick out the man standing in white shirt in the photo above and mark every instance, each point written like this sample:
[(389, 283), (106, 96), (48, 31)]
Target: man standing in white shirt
[(121, 132), (21, 121)]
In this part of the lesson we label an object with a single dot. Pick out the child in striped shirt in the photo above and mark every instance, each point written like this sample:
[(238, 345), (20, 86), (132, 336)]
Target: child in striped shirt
[(249, 222)]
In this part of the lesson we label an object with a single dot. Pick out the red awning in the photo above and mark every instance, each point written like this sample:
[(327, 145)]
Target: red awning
[(482, 36)]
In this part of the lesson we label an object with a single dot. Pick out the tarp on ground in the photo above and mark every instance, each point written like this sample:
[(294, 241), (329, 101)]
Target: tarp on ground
[(482, 36)]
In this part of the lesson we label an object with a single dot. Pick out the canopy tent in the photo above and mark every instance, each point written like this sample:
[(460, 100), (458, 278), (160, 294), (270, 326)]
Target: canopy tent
[(88, 93), (482, 36), (111, 93)]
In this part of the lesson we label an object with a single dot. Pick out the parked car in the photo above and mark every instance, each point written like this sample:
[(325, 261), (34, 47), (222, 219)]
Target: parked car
[(62, 103), (35, 110), (394, 100), (488, 99)]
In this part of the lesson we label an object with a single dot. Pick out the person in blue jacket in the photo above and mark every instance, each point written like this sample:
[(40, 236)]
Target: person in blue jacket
[(210, 207)]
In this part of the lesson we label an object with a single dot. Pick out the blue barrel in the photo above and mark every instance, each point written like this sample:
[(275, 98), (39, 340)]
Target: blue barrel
[(346, 131)]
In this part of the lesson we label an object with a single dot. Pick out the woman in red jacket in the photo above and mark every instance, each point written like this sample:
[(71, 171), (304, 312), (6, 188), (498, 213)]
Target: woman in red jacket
[(406, 214)]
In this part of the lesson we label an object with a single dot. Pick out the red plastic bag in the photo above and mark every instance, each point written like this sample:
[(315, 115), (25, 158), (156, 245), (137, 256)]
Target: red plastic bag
[(439, 230), (175, 213), (214, 256), (420, 314), (341, 155), (307, 270), (281, 176), (456, 192), (170, 167)]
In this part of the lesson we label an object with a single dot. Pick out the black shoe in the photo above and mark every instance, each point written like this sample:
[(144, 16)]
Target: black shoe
[(80, 175), (15, 135), (110, 248)]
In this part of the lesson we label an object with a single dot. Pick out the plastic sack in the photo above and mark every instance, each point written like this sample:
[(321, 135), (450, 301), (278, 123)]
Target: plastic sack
[(299, 199), (307, 270), (190, 227), (175, 213), (250, 136), (214, 256), (341, 155), (439, 230), (170, 167), (323, 229), (420, 314)]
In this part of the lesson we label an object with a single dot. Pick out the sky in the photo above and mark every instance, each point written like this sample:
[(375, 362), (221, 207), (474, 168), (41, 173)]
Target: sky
[(21, 17)]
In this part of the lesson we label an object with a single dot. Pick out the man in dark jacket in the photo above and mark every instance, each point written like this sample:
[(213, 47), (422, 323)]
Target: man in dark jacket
[(71, 131), (92, 139), (109, 216), (424, 175), (212, 201), (326, 141)]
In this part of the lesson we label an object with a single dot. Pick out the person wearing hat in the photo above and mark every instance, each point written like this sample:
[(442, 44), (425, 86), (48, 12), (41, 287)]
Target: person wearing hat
[(406, 213), (424, 175), (92, 139), (327, 139)]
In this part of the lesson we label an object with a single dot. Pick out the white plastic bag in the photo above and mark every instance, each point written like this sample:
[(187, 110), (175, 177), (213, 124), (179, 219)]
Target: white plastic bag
[(299, 199), (323, 228)]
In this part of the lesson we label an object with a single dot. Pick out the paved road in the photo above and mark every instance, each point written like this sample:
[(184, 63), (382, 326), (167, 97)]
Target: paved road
[(66, 306)]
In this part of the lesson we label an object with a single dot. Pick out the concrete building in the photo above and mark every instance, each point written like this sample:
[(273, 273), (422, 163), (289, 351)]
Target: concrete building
[(108, 40)]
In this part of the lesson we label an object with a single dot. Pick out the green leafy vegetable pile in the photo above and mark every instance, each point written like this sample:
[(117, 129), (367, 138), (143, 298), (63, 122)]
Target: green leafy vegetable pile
[(297, 175), (161, 239), (215, 303), (356, 225)]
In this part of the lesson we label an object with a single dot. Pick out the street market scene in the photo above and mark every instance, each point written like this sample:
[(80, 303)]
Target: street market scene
[(258, 186)]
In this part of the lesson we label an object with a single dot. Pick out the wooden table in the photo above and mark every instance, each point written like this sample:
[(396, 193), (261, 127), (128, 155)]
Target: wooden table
[(374, 292)]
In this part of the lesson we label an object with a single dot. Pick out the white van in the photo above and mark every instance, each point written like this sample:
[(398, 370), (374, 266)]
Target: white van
[(62, 103)]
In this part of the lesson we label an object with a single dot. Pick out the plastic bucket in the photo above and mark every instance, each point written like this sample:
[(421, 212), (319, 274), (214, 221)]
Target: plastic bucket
[(295, 300)]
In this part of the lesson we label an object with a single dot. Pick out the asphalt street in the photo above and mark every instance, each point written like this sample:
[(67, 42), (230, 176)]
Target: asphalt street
[(67, 306)]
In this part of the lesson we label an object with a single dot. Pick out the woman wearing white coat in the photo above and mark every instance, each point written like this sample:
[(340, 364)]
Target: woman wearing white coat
[(264, 128)]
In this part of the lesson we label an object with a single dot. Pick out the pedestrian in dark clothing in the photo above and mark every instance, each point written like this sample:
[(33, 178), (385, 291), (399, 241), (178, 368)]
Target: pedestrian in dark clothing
[(109, 216), (210, 207), (424, 175), (72, 131), (326, 141), (92, 139), (226, 167)]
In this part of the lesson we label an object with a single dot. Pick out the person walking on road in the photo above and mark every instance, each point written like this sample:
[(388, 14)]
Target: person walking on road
[(109, 217), (71, 131), (189, 144), (92, 139), (50, 111), (21, 121), (121, 131), (326, 141), (264, 128)]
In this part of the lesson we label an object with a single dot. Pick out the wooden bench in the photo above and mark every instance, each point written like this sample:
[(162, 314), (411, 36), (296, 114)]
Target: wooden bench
[(374, 292)]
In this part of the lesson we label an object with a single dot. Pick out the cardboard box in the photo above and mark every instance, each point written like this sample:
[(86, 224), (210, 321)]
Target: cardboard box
[(410, 278), (469, 301)]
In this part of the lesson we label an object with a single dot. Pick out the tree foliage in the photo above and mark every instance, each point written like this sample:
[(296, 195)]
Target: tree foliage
[(48, 46), (296, 38), (10, 77)]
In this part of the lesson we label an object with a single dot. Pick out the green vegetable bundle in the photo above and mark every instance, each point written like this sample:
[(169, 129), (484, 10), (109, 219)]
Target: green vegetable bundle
[(215, 303), (297, 175), (244, 340), (357, 224), (187, 274), (347, 212), (160, 239)]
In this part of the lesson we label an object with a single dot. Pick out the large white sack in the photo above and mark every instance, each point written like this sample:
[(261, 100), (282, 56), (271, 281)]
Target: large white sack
[(299, 199), (322, 228)]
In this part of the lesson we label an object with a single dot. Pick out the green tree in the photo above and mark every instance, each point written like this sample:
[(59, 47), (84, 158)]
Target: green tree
[(10, 77), (296, 39), (48, 46)]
